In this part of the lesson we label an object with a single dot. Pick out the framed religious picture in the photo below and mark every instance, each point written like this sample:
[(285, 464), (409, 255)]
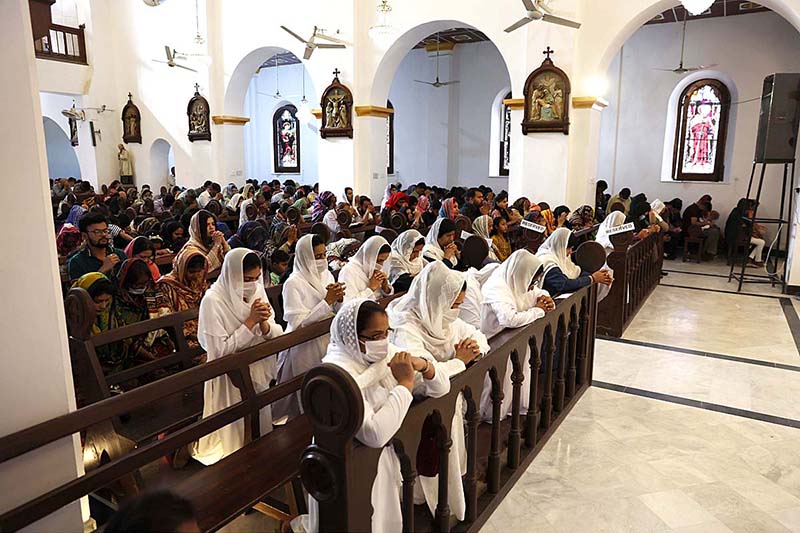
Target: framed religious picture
[(546, 99), (337, 110), (73, 132), (286, 140), (198, 113), (131, 122)]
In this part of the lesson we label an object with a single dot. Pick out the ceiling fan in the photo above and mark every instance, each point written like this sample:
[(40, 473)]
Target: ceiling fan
[(539, 10), (80, 113), (436, 84), (311, 45), (681, 69), (172, 55)]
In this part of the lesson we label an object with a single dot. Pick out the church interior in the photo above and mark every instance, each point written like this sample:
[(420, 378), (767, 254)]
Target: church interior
[(400, 265)]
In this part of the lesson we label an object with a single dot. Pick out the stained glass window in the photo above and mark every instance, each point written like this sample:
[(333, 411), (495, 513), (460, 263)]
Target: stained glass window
[(390, 140), (505, 137), (701, 131), (286, 138)]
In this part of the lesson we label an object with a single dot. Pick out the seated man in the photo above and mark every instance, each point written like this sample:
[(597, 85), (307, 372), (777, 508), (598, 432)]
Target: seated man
[(97, 254), (697, 215), (473, 203)]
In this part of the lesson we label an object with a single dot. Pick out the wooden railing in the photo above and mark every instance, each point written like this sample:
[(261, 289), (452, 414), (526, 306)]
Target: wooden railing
[(62, 43), (339, 471), (637, 271)]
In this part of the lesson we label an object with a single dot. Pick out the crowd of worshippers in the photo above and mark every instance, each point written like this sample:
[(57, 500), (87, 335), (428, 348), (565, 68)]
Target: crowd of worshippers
[(111, 243)]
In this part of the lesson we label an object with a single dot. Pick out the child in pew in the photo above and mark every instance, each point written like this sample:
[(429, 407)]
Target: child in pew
[(157, 511), (278, 265)]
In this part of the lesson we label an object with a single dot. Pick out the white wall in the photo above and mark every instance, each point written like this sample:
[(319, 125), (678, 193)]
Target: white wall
[(444, 136), (745, 48), (260, 106), (52, 105), (61, 159)]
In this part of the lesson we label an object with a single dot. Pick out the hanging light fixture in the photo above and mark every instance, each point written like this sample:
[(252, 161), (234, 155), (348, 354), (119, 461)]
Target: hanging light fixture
[(382, 32), (697, 7), (199, 50), (277, 94), (304, 113)]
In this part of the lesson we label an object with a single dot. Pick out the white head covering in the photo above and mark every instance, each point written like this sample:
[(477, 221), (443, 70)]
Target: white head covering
[(481, 226), (432, 248), (657, 206), (227, 295), (553, 253), (482, 275), (344, 350), (511, 280), (233, 203), (426, 304), (614, 219), (364, 262), (400, 261), (305, 266)]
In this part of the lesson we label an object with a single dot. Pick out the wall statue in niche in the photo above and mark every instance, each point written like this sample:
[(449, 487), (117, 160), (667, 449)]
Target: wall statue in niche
[(337, 110), (547, 99), (73, 132), (198, 113), (131, 122)]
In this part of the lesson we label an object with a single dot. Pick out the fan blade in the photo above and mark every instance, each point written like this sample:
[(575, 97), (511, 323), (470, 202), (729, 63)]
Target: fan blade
[(293, 34), (561, 22), (160, 61), (540, 6), (183, 66), (443, 83), (529, 5), (308, 52), (517, 25), (426, 82), (665, 69), (331, 46), (334, 39), (169, 52)]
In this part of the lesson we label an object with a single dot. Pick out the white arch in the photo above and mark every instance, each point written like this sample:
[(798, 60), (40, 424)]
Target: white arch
[(672, 120), (159, 163), (62, 161)]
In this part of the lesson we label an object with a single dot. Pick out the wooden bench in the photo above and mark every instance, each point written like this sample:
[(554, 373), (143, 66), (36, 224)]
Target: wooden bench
[(338, 470), (637, 271)]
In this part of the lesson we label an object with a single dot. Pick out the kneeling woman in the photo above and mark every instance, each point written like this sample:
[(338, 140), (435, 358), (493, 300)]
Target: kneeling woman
[(561, 275), (388, 378), (511, 300), (234, 314), (405, 261), (362, 275)]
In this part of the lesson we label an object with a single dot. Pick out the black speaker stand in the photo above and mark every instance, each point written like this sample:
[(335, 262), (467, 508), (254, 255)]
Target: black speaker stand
[(782, 222)]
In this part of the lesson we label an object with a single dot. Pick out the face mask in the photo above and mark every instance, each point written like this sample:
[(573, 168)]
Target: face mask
[(322, 265), (137, 292), (249, 289), (376, 350), (451, 315)]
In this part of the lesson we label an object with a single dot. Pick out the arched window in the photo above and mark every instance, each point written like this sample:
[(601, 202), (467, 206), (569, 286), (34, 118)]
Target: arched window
[(702, 128), (390, 140), (286, 139), (505, 137)]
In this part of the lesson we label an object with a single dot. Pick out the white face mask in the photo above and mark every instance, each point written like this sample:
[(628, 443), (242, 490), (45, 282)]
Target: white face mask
[(451, 315), (137, 292), (376, 350), (322, 265), (249, 289)]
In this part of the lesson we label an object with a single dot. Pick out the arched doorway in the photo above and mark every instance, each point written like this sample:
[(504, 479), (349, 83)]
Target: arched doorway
[(62, 162), (266, 80), (442, 131), (160, 164)]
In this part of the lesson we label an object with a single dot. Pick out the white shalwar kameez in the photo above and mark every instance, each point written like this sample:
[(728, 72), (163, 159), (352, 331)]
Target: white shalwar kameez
[(507, 303), (425, 325), (304, 304), (400, 261), (221, 331), (359, 269), (385, 406)]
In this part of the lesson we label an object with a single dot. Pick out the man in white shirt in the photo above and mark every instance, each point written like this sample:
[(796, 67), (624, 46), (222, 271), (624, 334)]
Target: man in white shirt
[(211, 192)]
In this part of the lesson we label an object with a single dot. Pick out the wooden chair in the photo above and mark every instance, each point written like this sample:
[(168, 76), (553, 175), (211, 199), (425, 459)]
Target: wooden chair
[(293, 215), (389, 234), (693, 243)]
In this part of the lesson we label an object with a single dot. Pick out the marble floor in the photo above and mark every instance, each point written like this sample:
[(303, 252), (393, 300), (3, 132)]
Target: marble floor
[(633, 456)]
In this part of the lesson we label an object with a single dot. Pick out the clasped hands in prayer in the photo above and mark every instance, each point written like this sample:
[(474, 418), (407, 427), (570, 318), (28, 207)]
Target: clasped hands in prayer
[(602, 276), (335, 293), (260, 313), (379, 280), (467, 350), (404, 365), (545, 303), (451, 251)]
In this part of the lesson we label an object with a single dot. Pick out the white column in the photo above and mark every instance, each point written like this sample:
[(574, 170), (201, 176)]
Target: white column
[(584, 149), (35, 375)]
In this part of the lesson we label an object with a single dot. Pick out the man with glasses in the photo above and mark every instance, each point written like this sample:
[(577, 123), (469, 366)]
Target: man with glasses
[(98, 253)]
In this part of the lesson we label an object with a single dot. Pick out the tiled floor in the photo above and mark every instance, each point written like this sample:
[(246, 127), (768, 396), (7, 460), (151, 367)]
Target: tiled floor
[(622, 462)]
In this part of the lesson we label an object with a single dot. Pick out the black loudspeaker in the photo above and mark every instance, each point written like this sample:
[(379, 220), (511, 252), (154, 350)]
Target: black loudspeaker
[(779, 118)]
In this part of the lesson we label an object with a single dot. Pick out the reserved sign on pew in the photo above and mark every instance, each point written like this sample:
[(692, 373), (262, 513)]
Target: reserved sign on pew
[(622, 229), (527, 224)]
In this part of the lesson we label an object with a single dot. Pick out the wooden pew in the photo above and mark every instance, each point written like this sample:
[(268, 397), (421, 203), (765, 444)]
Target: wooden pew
[(338, 470), (637, 270)]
